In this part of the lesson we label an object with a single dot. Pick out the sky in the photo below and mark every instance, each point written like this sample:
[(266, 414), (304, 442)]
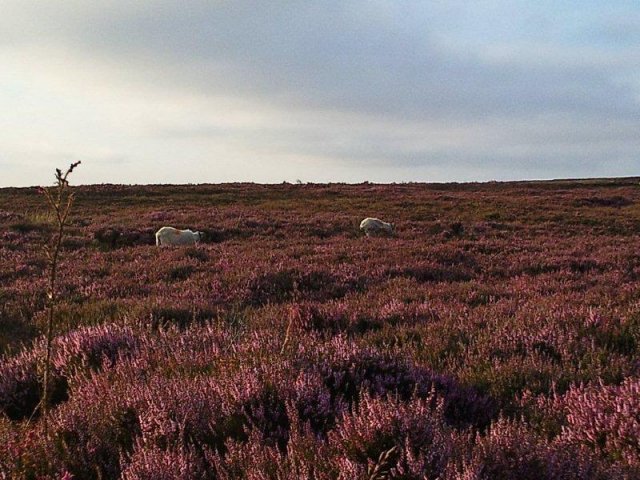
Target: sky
[(334, 91)]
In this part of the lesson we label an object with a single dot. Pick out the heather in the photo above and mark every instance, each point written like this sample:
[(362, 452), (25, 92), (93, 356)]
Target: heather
[(495, 336)]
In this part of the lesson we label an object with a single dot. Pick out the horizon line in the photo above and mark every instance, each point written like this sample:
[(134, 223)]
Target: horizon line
[(364, 182)]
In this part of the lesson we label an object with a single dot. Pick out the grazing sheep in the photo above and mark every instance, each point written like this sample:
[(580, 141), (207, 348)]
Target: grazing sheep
[(374, 226), (173, 236)]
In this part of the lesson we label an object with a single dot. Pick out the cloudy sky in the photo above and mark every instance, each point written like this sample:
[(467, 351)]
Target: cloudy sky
[(267, 91)]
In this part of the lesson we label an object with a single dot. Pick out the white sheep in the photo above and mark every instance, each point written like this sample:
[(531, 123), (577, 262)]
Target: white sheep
[(173, 236), (374, 226)]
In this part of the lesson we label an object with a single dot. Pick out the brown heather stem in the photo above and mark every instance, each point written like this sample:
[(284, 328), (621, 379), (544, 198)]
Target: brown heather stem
[(62, 214), (293, 313), (286, 335)]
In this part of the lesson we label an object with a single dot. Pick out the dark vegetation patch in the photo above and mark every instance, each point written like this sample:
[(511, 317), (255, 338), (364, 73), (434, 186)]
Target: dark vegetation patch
[(614, 201), (196, 253), (179, 317), (74, 243), (133, 237), (107, 236), (285, 285), (219, 235), (432, 272), (27, 226), (117, 236), (180, 272)]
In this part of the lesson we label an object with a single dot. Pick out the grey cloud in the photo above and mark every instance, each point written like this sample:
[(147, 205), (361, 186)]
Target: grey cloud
[(545, 144), (616, 30), (382, 60), (324, 57)]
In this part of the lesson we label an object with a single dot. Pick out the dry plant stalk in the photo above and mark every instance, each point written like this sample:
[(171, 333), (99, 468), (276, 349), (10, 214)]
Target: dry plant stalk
[(59, 200), (292, 317), (294, 314), (383, 468)]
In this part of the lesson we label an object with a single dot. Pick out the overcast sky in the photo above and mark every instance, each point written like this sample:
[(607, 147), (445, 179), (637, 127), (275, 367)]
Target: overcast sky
[(217, 91)]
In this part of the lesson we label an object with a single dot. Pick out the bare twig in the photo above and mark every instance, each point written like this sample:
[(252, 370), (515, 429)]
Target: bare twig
[(59, 200), (292, 317), (294, 314)]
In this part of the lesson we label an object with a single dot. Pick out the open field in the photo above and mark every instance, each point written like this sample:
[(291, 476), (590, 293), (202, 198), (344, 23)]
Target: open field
[(496, 336)]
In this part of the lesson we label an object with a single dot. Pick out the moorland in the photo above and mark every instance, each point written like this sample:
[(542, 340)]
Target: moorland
[(494, 336)]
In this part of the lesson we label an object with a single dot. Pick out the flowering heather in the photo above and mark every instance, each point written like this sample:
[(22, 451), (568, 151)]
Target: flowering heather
[(496, 336), (604, 418)]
